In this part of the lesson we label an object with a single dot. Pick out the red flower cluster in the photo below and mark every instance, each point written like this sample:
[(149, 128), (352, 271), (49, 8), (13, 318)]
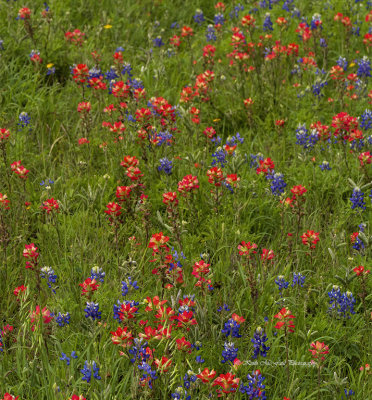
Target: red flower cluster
[(31, 254), (310, 239), (75, 37), (285, 319)]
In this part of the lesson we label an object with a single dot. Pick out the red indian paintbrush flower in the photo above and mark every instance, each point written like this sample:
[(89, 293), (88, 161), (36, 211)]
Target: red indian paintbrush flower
[(8, 396), (360, 271), (4, 202), (206, 376), (310, 239), (88, 286), (76, 397), (228, 383), (50, 205), (122, 337), (318, 350), (163, 364), (246, 249), (4, 135), (31, 254), (158, 241), (285, 319)]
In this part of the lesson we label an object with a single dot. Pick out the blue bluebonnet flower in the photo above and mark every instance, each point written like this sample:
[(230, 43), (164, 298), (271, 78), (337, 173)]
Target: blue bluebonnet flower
[(180, 394), (225, 307), (341, 304), (219, 157), (111, 74), (357, 199), (48, 274), (348, 393), (24, 119), (277, 182), (318, 86), (95, 73), (366, 120), (298, 279), (199, 17), (91, 310), (165, 165), (235, 11), (211, 34), (127, 69), (188, 379), (63, 319), (164, 137), (324, 166), (364, 67), (197, 345), (342, 62), (266, 4), (135, 83), (125, 286), (259, 339), (199, 360), (322, 42), (316, 18), (138, 350), (255, 159), (174, 25), (216, 140), (119, 49), (231, 141), (229, 353), (304, 138), (267, 25), (51, 70), (97, 273), (231, 327), (148, 374), (355, 30), (288, 5), (255, 387), (89, 369), (282, 284), (118, 313), (219, 19), (1, 44), (68, 359), (158, 42)]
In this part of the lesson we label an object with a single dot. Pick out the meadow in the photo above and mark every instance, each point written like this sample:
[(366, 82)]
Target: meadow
[(185, 199)]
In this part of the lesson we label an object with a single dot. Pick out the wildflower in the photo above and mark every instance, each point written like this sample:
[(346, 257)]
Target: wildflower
[(158, 42), (44, 314), (24, 119), (229, 353), (75, 37), (318, 350), (365, 158), (341, 304), (310, 239), (24, 13), (231, 327), (357, 199), (277, 183), (324, 166), (91, 310), (31, 254), (88, 286), (48, 273), (206, 375), (246, 249), (364, 67), (63, 319), (8, 396), (259, 339), (76, 397), (89, 369), (122, 337), (68, 359), (19, 289), (19, 169), (228, 383), (255, 388), (282, 284), (215, 176), (199, 17), (267, 25), (360, 271), (4, 202), (298, 279), (285, 319), (97, 274), (165, 165), (126, 285), (50, 205)]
